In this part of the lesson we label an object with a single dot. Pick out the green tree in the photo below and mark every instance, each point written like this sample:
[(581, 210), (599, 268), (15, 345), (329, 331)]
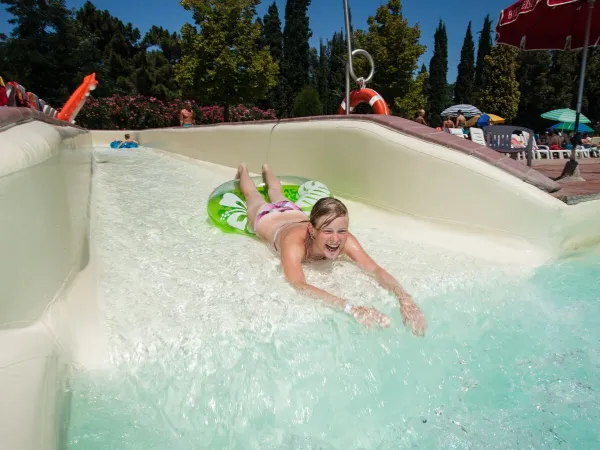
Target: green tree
[(484, 47), (273, 38), (117, 60), (533, 69), (438, 77), (223, 63), (307, 103), (43, 47), (465, 81), (313, 67), (500, 94), (563, 78), (336, 80), (160, 62), (296, 50), (592, 89), (416, 98), (322, 76), (395, 47)]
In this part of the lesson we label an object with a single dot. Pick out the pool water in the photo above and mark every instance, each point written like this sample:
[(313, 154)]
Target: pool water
[(210, 348)]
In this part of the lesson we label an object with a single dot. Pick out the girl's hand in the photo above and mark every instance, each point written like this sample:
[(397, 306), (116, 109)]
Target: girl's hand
[(368, 317), (412, 315)]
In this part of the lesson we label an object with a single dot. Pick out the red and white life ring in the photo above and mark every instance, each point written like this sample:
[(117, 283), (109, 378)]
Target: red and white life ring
[(365, 95)]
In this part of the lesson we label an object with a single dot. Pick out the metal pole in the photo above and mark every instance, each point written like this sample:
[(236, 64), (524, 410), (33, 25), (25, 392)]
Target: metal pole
[(588, 29), (349, 68)]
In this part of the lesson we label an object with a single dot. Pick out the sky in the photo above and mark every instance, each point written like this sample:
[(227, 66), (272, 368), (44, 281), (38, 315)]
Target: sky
[(326, 16)]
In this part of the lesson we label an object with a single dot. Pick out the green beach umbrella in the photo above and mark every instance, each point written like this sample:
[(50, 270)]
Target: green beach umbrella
[(565, 115), (571, 126)]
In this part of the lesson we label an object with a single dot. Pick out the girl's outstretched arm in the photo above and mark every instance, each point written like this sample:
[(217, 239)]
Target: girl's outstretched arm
[(411, 314)]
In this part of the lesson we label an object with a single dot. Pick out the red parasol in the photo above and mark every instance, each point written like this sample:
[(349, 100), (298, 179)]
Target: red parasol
[(552, 25), (547, 25)]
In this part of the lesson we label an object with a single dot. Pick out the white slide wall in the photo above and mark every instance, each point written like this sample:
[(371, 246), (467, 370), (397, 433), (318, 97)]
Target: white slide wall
[(383, 167)]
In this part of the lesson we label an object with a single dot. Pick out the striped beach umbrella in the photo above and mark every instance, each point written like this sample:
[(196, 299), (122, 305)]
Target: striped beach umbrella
[(467, 110), (565, 115)]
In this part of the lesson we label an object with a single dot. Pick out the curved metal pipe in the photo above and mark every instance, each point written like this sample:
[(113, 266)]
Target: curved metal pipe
[(350, 55)]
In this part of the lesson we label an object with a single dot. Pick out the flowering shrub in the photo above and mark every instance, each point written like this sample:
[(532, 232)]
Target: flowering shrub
[(137, 112)]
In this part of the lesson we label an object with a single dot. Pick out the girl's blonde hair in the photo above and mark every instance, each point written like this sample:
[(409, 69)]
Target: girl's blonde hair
[(328, 209)]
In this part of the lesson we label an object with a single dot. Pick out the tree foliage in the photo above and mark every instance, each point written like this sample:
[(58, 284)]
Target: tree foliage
[(500, 94), (307, 103), (44, 46), (532, 74), (416, 99), (438, 92), (223, 63), (465, 80), (484, 47), (394, 45), (273, 38), (296, 50)]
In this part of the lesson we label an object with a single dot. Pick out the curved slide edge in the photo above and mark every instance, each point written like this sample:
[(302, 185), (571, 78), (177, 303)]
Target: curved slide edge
[(470, 189)]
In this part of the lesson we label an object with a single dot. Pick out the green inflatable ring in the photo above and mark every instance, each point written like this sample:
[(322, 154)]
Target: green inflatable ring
[(227, 209)]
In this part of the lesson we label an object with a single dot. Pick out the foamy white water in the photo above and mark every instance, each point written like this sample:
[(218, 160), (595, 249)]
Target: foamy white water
[(211, 348)]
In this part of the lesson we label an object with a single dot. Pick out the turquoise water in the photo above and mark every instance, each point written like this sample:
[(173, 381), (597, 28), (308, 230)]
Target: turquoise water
[(211, 349)]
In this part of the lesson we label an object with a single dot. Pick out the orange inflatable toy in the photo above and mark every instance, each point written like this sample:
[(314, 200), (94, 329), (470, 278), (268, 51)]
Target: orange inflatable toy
[(78, 98), (365, 95)]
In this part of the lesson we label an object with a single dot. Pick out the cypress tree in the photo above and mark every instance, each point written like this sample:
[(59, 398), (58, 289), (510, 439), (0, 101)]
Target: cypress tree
[(272, 34), (438, 73), (484, 48), (273, 38), (465, 81), (296, 50)]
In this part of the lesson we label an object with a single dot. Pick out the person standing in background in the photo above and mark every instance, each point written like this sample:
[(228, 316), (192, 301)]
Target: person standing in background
[(421, 117), (448, 123), (461, 122), (186, 117)]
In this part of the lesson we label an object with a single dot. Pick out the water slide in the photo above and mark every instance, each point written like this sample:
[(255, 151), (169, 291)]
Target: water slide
[(128, 321)]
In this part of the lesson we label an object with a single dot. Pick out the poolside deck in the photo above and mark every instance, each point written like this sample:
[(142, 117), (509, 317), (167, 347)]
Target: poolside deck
[(575, 191)]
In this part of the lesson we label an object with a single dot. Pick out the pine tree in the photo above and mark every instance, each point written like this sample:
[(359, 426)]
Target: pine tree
[(438, 73), (395, 47), (533, 69), (118, 45), (273, 38), (223, 63), (484, 47), (465, 81), (500, 94), (296, 50)]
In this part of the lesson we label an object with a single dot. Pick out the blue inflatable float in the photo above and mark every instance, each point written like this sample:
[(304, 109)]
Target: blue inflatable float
[(115, 144)]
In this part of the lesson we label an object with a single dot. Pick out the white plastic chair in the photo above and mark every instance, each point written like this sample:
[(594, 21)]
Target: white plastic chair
[(457, 132), (538, 150), (477, 136)]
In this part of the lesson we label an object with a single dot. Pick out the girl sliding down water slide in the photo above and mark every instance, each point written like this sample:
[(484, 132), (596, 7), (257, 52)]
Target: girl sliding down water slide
[(324, 235)]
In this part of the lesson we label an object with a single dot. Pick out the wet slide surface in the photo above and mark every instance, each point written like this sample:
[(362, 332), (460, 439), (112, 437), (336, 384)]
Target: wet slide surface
[(211, 348)]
